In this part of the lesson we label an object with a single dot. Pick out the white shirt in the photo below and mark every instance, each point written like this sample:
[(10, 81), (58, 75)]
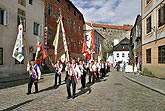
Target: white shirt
[(76, 70), (93, 68)]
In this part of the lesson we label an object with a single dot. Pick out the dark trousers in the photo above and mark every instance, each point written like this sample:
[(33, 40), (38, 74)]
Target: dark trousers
[(97, 74), (69, 81), (30, 83), (83, 80), (102, 72), (92, 76), (57, 75)]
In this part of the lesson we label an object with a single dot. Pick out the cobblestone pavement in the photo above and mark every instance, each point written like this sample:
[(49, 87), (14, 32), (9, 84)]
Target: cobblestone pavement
[(113, 93)]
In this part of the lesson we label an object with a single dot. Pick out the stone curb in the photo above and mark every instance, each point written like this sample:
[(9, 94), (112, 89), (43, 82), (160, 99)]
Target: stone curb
[(145, 85)]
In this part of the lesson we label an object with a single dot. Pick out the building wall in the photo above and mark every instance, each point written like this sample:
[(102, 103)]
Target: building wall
[(153, 39), (34, 13), (72, 36), (120, 58), (156, 68)]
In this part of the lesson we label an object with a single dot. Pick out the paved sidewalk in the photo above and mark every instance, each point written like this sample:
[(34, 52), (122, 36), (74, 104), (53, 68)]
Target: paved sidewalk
[(155, 84)]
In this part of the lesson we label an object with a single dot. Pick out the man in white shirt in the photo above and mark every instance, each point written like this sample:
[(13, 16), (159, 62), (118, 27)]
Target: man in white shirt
[(34, 75), (58, 71), (74, 72)]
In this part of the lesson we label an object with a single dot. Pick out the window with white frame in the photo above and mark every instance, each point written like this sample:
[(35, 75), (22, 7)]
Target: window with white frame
[(148, 25), (123, 55), (50, 10), (36, 29), (161, 16), (148, 1), (117, 54)]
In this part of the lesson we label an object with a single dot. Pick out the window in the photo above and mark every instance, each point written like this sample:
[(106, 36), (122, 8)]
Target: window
[(68, 22), (4, 17), (79, 28), (161, 54), (74, 27), (68, 43), (75, 43), (30, 2), (148, 24), (58, 14), (1, 56), (23, 19), (148, 55), (22, 2), (148, 1), (50, 37), (117, 54), (36, 29), (95, 50), (161, 16), (123, 55), (75, 12), (79, 17), (68, 7), (50, 10)]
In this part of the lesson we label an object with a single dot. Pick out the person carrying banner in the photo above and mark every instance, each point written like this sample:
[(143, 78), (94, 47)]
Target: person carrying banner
[(58, 71), (34, 72), (74, 72)]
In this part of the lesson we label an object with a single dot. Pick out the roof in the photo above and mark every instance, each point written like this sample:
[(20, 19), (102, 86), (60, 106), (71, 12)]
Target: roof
[(124, 27), (123, 45)]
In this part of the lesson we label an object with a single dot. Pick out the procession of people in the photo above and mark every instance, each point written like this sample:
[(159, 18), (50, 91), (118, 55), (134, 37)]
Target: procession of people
[(75, 71)]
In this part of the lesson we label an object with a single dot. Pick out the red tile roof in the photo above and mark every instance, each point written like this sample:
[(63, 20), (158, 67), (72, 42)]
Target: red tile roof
[(124, 27)]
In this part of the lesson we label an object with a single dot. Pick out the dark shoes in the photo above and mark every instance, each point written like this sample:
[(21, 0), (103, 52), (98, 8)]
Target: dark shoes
[(28, 93), (68, 97)]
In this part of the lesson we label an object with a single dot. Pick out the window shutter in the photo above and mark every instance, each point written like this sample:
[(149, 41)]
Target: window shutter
[(41, 30), (6, 17)]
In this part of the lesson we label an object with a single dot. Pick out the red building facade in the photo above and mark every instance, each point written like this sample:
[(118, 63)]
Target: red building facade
[(73, 24)]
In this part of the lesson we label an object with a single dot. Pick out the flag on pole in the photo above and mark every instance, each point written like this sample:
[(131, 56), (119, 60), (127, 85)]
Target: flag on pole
[(18, 52), (92, 42), (64, 40), (40, 54), (55, 42), (84, 48), (100, 53)]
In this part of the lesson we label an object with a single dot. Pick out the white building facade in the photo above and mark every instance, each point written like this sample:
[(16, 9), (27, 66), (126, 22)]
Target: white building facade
[(31, 12)]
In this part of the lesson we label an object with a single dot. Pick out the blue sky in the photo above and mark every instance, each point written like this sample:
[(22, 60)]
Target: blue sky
[(115, 12)]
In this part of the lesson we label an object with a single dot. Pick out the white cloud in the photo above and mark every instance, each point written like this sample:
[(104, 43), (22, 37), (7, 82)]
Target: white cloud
[(117, 12)]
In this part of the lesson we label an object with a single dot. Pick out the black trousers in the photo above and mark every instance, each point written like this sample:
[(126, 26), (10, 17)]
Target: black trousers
[(30, 83), (69, 81), (92, 76), (57, 75), (102, 72), (97, 74), (83, 80)]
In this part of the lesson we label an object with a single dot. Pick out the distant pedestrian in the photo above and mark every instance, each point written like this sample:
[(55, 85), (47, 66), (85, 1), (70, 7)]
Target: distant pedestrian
[(73, 73), (102, 69), (34, 75)]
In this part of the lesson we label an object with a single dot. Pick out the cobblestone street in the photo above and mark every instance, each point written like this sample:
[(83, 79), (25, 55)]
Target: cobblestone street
[(113, 93)]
